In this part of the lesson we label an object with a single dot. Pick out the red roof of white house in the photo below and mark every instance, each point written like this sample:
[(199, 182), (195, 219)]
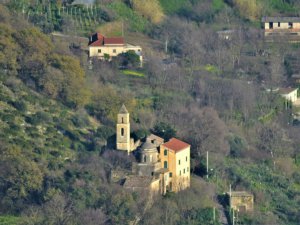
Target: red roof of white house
[(98, 39), (114, 41), (176, 145)]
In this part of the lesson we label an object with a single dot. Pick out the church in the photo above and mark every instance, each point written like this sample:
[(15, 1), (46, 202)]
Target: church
[(161, 166)]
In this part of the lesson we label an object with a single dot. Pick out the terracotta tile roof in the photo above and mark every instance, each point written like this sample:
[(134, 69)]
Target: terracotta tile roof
[(114, 41), (98, 39), (176, 145), (285, 91)]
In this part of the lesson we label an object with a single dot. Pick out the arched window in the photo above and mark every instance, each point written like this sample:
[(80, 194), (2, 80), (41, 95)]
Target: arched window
[(122, 120), (165, 164), (145, 158), (165, 152), (122, 131)]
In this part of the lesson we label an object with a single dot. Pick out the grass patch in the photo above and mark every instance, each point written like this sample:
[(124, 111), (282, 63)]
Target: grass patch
[(136, 22), (133, 73), (173, 6), (9, 220), (211, 68), (268, 117)]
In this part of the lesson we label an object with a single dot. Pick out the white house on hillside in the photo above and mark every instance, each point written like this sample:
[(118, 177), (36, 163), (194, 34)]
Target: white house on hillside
[(102, 47), (290, 94)]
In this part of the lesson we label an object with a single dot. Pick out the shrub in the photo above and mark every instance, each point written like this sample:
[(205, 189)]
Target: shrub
[(20, 105), (137, 22), (149, 9), (127, 60), (140, 134), (104, 132), (164, 130), (38, 118), (80, 119), (236, 146), (251, 9), (78, 146)]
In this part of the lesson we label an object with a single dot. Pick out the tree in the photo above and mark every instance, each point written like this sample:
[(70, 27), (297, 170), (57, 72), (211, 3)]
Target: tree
[(9, 49), (36, 49), (93, 217), (251, 9), (121, 208), (205, 131), (127, 60), (164, 130), (58, 210), (73, 90), (106, 102), (19, 177), (52, 82), (149, 9)]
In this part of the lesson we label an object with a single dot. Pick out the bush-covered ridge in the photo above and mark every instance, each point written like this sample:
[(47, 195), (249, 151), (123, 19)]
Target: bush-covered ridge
[(58, 112)]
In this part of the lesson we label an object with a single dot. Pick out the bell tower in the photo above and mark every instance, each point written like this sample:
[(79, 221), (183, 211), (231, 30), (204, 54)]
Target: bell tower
[(123, 130)]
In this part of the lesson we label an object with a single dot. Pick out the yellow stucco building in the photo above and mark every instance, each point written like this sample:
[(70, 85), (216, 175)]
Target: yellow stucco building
[(161, 167), (175, 157)]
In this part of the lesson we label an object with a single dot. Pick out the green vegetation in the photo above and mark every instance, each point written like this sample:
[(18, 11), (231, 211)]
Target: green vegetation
[(136, 21), (58, 112), (133, 73), (172, 6), (9, 220), (50, 16)]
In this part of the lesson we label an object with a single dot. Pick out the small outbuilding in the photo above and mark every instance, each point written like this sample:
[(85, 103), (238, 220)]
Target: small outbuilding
[(241, 201), (287, 28), (290, 94)]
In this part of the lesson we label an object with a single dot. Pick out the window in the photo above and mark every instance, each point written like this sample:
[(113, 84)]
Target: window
[(145, 158), (165, 152), (187, 170), (99, 50), (165, 164), (122, 120), (170, 174), (179, 162), (278, 24), (186, 158), (290, 25), (179, 172), (271, 25), (183, 170), (122, 131), (114, 50)]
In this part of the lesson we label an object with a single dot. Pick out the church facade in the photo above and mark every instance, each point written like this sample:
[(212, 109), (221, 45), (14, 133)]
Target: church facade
[(161, 166)]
